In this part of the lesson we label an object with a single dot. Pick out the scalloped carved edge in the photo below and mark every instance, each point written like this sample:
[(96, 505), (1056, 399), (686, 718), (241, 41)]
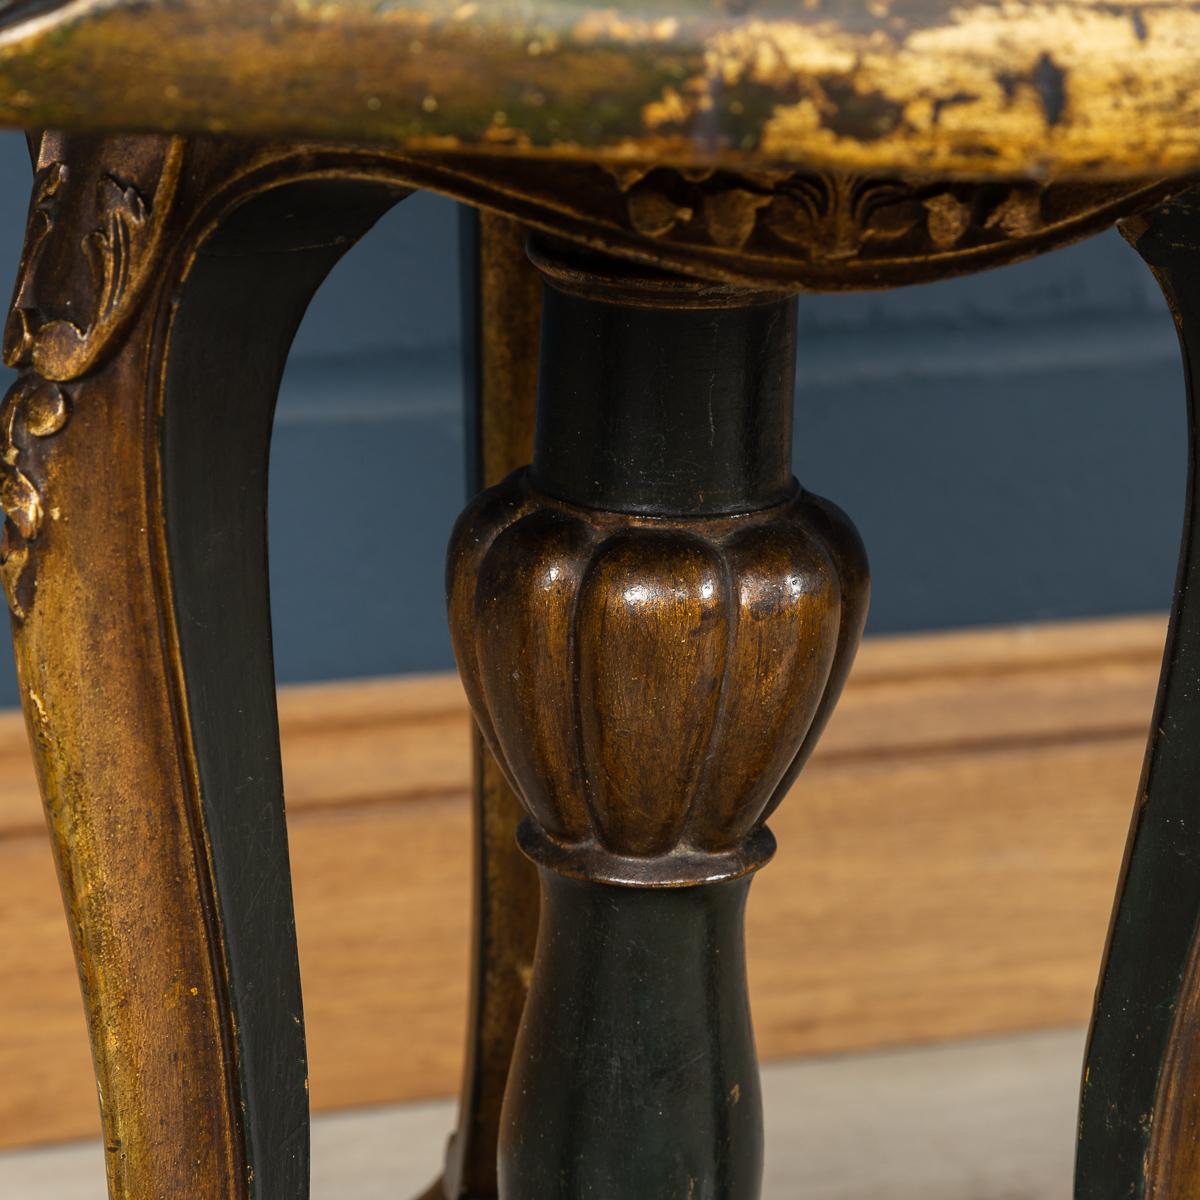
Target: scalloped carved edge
[(824, 216), (798, 230), (782, 228)]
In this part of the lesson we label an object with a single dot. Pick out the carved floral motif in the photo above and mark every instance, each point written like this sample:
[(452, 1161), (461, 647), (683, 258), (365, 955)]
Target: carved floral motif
[(122, 252), (34, 407), (825, 217)]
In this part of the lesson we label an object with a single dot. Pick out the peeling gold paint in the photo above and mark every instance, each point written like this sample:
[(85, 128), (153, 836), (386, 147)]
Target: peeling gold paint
[(611, 25), (39, 707), (671, 108), (1065, 88)]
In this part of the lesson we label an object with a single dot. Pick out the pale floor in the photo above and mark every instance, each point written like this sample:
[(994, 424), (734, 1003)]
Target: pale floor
[(986, 1120)]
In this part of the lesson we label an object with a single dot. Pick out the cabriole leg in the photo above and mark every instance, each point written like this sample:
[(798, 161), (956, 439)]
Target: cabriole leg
[(653, 623), (1139, 1126), (161, 285)]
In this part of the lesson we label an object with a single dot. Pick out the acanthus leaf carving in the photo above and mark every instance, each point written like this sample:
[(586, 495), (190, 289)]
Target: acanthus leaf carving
[(122, 252), (1019, 214), (827, 219), (653, 214), (948, 218), (33, 407), (731, 216)]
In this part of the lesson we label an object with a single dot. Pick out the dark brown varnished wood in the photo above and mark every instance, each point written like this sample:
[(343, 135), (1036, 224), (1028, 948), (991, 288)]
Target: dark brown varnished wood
[(572, 625), (647, 680), (1139, 1128)]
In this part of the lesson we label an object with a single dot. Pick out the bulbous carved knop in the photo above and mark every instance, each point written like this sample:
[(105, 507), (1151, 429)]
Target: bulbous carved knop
[(651, 686)]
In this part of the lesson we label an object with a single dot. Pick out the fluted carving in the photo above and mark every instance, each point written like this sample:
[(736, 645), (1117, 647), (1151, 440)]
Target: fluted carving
[(651, 686)]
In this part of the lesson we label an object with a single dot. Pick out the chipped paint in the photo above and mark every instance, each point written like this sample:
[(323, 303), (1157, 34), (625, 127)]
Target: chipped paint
[(1063, 88)]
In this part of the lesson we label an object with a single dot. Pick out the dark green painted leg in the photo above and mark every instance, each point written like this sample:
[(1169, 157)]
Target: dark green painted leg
[(1139, 1126), (635, 1074)]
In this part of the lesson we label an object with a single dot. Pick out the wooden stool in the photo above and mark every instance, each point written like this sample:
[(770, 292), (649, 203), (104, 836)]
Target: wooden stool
[(652, 619)]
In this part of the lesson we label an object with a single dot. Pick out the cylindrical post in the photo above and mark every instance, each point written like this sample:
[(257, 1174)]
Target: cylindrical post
[(681, 407), (650, 981), (652, 624)]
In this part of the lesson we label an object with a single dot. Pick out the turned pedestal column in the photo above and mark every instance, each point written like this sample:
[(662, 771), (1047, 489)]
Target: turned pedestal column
[(653, 622)]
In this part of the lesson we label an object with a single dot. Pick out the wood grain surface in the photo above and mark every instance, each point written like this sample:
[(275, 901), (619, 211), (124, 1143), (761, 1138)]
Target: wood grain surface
[(946, 867)]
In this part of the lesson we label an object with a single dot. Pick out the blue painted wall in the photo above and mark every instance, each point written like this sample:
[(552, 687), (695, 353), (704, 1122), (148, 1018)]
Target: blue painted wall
[(1010, 445)]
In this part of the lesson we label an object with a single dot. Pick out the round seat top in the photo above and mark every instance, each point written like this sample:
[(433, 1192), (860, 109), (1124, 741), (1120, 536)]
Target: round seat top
[(1068, 89)]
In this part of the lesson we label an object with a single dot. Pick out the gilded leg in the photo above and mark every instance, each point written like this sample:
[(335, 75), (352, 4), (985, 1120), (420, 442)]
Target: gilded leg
[(162, 282)]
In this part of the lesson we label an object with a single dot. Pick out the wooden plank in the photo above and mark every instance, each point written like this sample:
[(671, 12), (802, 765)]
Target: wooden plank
[(946, 868), (929, 897)]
